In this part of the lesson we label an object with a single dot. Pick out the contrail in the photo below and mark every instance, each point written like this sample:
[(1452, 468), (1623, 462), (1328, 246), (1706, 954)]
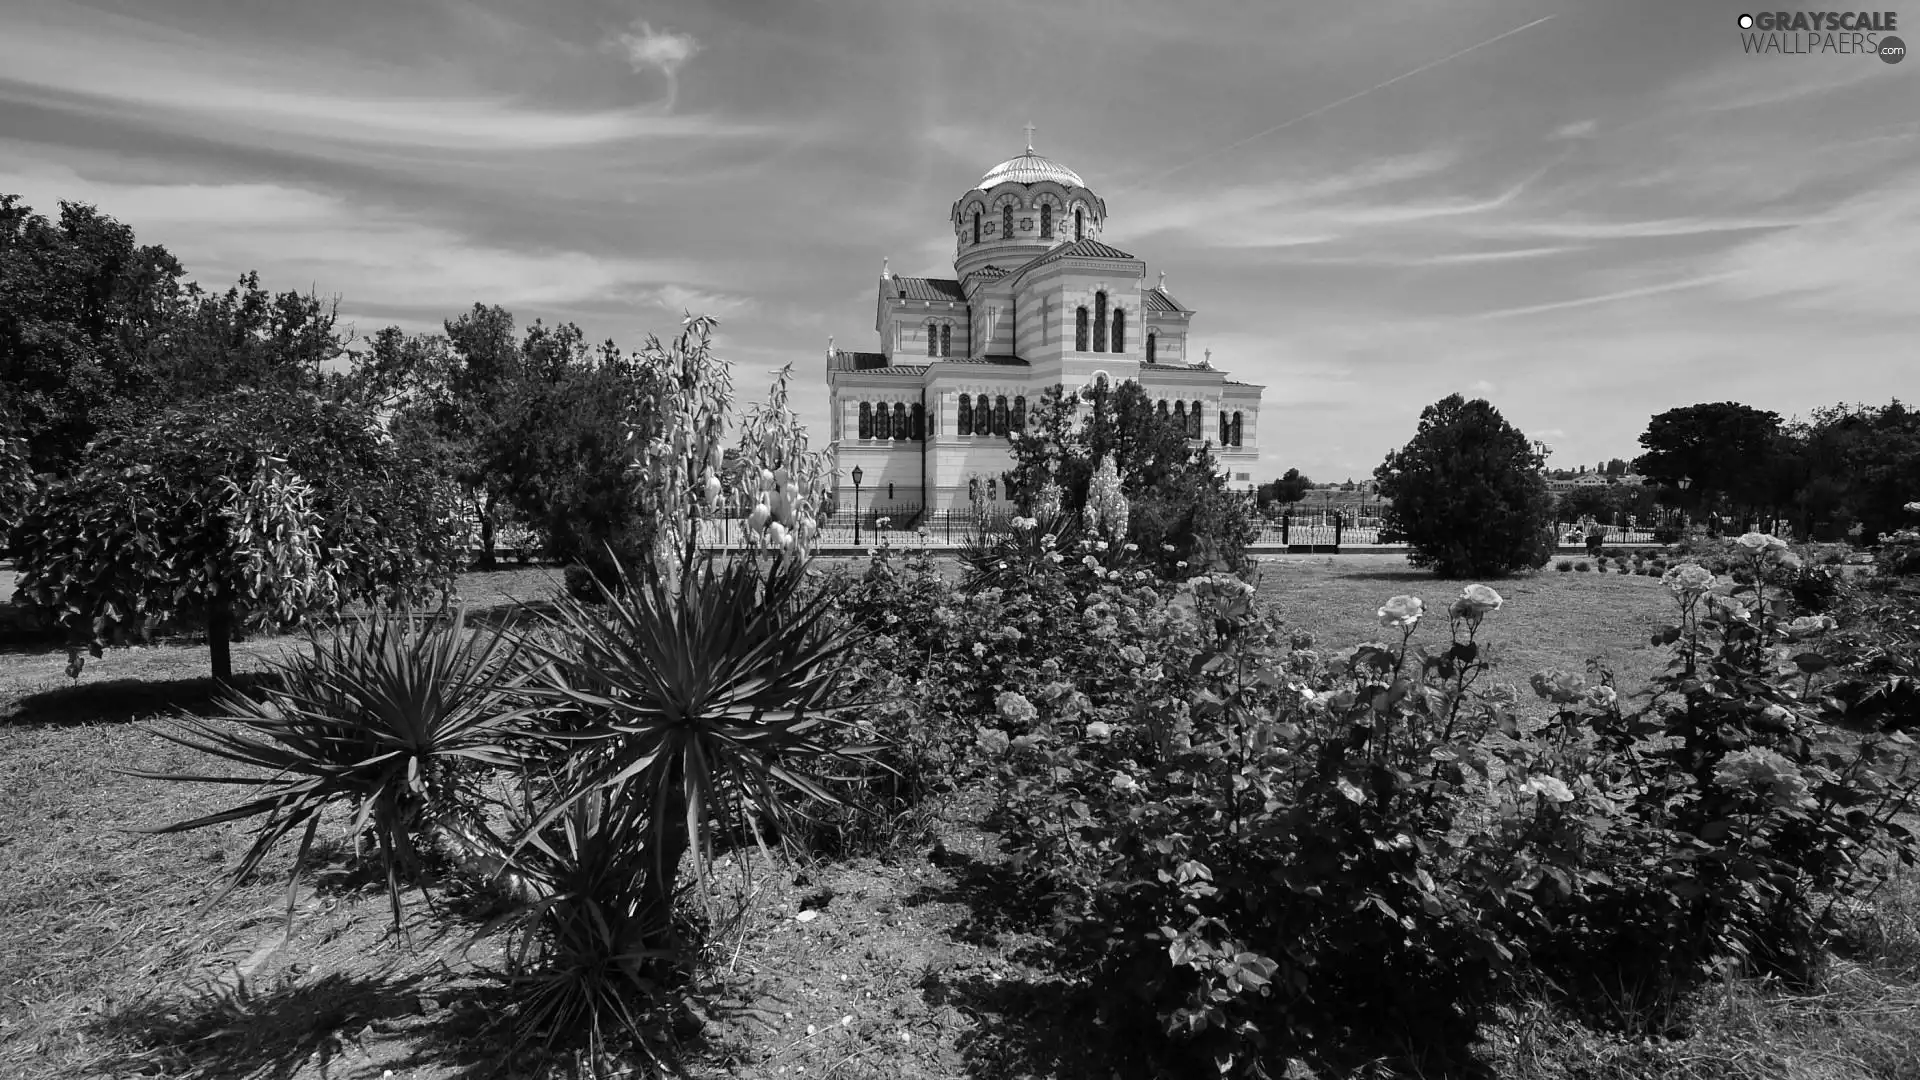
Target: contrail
[(1429, 66)]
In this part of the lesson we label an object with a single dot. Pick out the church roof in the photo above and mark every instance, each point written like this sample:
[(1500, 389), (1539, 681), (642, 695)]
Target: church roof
[(1001, 359), (857, 361), (1030, 168), (1161, 300), (926, 288), (1079, 249), (991, 271)]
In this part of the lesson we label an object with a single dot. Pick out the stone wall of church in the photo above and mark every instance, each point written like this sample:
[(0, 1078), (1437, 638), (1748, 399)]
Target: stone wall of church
[(1170, 345), (908, 328)]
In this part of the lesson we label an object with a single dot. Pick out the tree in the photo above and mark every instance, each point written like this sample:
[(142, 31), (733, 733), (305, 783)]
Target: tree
[(1856, 464), (1467, 493), (1616, 467), (1177, 494), (85, 316), (1289, 489), (262, 507), (1722, 448)]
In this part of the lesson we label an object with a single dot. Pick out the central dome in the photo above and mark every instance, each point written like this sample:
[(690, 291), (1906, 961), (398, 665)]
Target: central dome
[(1030, 168)]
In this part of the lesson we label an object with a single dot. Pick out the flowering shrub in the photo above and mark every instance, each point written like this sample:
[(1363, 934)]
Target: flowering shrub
[(1720, 821), (1264, 849), (1257, 851)]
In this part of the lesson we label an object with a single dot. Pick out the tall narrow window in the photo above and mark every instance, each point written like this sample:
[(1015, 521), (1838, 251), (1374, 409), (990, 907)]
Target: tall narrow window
[(866, 420), (1119, 330), (966, 415), (1153, 341), (1163, 403), (946, 341), (1079, 226), (1046, 221), (1193, 421), (933, 340), (1080, 330), (1100, 322), (1237, 417), (900, 420), (976, 226), (889, 492), (1000, 415), (919, 421), (993, 489), (982, 415), (882, 422), (1019, 417), (1226, 427), (1180, 415), (1006, 222)]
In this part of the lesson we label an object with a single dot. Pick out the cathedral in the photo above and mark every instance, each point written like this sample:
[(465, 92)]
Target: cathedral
[(1037, 299)]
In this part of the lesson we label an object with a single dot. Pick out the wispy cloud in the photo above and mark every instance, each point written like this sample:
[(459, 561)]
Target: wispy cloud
[(659, 50), (1605, 298)]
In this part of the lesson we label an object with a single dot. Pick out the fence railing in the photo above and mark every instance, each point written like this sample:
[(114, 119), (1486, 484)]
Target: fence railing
[(949, 529)]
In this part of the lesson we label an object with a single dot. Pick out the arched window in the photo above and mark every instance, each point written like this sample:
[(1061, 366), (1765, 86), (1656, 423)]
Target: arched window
[(1119, 330), (1153, 340), (1079, 226), (1080, 330), (966, 414), (946, 341), (900, 420), (1163, 401), (1193, 421), (1236, 428), (1179, 414), (1019, 417), (933, 339), (1006, 222), (1000, 415), (1226, 427), (982, 415), (866, 420), (1046, 221), (1100, 322), (919, 421), (973, 490), (993, 489), (976, 226), (882, 422)]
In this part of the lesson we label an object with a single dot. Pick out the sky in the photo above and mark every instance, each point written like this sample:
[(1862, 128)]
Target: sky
[(1585, 213)]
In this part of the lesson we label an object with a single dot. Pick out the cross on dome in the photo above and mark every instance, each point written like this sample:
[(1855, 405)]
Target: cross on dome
[(1029, 131)]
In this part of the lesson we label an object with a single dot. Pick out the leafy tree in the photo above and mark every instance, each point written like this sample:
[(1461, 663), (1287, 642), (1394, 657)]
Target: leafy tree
[(1859, 464), (85, 317), (1177, 494), (1722, 448), (1616, 467), (262, 507), (1289, 489), (1467, 494)]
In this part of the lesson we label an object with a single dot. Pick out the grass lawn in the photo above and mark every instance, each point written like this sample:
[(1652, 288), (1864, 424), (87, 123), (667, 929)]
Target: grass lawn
[(867, 968)]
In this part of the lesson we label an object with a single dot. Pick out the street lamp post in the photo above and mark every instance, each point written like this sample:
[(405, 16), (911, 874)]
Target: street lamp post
[(1683, 483), (857, 474)]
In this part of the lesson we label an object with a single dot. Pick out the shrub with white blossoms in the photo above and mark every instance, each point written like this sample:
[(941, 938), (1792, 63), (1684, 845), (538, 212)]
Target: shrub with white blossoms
[(1106, 506)]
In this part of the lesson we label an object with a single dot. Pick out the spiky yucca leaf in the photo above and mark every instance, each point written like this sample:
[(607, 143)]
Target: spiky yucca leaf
[(389, 716), (712, 700)]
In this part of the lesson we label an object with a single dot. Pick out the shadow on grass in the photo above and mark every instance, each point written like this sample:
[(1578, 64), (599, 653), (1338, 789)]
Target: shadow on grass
[(398, 1022), (998, 901), (122, 700), (1031, 1027)]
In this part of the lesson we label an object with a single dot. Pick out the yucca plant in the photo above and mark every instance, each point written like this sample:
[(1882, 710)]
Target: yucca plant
[(712, 705), (393, 716), (588, 950)]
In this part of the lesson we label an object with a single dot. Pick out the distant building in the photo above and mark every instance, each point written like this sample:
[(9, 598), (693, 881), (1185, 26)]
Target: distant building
[(1036, 300)]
